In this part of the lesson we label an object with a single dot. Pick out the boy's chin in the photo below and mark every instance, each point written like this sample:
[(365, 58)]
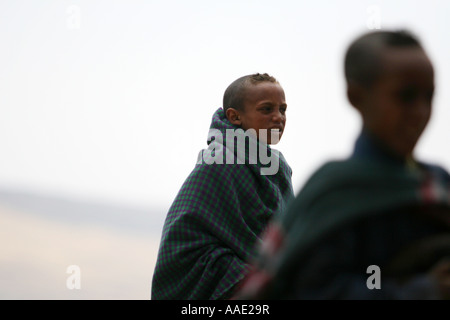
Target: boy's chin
[(274, 143), (272, 139)]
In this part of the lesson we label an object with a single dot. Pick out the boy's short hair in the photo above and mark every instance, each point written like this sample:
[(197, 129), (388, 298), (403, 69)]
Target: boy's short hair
[(234, 96), (362, 60)]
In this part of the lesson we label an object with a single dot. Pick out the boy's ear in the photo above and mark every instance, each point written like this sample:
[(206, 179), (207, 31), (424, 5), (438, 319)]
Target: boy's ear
[(233, 116), (355, 94)]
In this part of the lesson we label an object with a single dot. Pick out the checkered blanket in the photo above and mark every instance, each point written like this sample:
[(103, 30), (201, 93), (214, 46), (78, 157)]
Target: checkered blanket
[(215, 222), (337, 196)]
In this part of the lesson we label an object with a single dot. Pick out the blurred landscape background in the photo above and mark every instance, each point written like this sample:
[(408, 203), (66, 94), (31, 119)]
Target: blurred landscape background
[(115, 247)]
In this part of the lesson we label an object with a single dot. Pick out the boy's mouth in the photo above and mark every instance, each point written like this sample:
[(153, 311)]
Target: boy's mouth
[(276, 130), (275, 133)]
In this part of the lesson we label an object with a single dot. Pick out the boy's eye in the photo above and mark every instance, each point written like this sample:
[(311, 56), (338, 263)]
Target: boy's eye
[(266, 108)]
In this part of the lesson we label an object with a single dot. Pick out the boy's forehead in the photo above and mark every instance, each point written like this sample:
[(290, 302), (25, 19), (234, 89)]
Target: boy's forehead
[(405, 60), (262, 90)]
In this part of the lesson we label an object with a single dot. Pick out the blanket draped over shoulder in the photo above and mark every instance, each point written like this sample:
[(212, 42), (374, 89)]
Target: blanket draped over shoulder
[(351, 214), (217, 218)]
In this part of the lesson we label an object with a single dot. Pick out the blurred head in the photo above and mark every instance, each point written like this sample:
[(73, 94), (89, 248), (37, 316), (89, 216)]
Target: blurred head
[(390, 81), (256, 102)]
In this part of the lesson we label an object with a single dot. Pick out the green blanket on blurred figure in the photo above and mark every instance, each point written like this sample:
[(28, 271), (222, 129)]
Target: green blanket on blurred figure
[(350, 215)]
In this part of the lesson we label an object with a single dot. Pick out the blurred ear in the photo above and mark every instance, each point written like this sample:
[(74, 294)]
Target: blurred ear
[(233, 116), (355, 95)]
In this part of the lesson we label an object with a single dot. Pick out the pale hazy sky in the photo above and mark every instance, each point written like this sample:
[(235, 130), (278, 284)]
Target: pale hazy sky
[(112, 100)]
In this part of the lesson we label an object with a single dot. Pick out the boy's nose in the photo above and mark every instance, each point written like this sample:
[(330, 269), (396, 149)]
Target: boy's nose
[(277, 116)]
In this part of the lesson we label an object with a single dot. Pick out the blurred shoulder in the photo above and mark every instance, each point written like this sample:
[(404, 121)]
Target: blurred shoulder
[(437, 170)]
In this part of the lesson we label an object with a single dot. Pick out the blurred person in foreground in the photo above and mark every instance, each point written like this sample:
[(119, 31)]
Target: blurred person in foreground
[(376, 225)]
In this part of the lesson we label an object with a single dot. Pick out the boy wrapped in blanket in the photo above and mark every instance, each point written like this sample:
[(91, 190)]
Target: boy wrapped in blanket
[(237, 186)]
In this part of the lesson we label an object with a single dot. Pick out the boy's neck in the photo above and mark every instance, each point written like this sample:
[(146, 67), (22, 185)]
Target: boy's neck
[(369, 145)]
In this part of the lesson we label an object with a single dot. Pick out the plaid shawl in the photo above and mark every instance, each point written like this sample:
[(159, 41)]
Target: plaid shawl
[(336, 195), (216, 220)]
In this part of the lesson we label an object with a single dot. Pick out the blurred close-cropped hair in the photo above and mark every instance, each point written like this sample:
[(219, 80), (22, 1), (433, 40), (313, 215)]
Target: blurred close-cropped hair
[(362, 63)]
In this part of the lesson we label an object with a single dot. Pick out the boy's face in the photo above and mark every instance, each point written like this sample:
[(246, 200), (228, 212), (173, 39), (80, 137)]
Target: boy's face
[(264, 108), (398, 105)]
